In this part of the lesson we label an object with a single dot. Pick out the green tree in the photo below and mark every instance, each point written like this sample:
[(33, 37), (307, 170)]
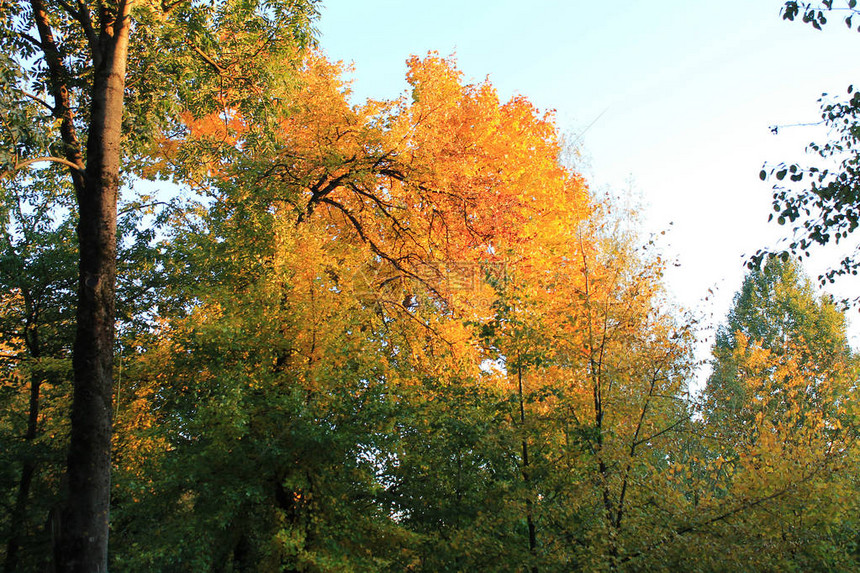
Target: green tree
[(778, 439), (776, 308), (37, 278), (37, 324), (595, 369), (77, 64)]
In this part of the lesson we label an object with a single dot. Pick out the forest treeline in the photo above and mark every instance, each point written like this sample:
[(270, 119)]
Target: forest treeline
[(395, 335)]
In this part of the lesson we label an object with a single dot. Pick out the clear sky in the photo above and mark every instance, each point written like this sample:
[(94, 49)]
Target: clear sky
[(683, 93)]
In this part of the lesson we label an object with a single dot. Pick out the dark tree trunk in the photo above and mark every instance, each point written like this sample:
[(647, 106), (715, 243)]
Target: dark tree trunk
[(18, 521), (526, 473), (19, 517), (19, 512), (83, 528)]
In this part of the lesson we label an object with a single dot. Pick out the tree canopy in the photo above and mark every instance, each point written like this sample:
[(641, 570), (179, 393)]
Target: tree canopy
[(396, 335)]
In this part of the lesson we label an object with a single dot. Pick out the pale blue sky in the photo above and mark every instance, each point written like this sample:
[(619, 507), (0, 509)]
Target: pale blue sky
[(689, 90)]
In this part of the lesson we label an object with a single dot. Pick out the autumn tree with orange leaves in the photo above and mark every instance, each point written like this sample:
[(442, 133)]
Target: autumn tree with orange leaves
[(350, 262)]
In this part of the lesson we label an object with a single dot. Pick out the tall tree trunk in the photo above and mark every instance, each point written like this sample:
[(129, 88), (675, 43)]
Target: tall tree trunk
[(83, 536)]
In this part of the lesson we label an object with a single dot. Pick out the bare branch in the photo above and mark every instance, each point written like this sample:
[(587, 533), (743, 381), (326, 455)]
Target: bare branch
[(86, 21), (144, 206), (37, 99), (59, 90), (48, 158), (397, 263), (405, 311), (69, 10), (208, 60), (31, 39), (661, 432), (166, 7)]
